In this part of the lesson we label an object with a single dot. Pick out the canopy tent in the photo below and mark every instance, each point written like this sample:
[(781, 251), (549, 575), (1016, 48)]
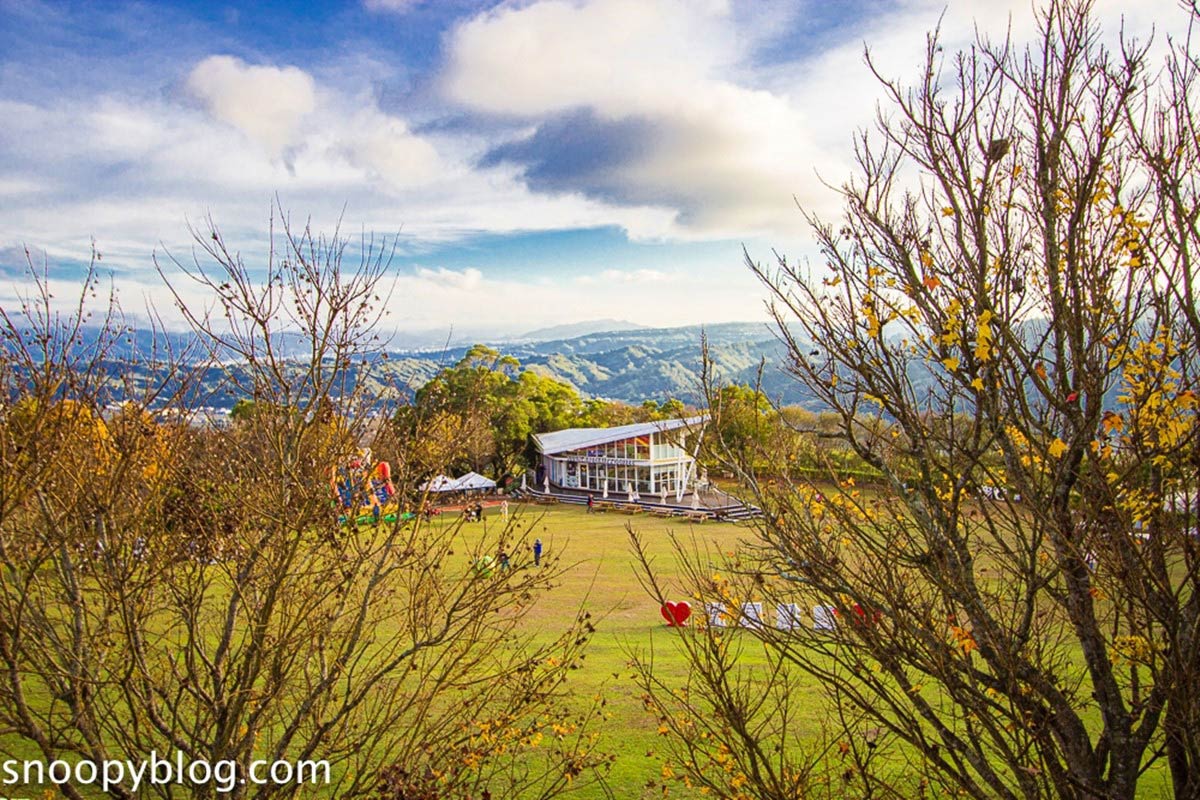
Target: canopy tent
[(471, 482), (441, 483)]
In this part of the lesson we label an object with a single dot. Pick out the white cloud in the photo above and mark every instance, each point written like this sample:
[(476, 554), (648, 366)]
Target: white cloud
[(667, 128), (634, 276), (660, 104), (619, 56), (382, 146), (391, 6), (437, 298), (13, 186), (266, 103), (468, 280), (123, 131)]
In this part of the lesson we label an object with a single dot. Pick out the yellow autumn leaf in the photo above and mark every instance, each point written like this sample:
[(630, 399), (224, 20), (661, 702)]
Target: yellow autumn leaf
[(950, 364), (1057, 448), (977, 384)]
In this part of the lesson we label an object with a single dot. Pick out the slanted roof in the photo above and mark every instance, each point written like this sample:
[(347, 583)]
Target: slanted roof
[(440, 483), (579, 438), (469, 482), (473, 480)]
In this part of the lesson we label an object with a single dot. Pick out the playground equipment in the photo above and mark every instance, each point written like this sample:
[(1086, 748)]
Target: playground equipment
[(364, 492)]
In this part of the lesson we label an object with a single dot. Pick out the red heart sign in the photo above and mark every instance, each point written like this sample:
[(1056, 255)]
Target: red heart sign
[(676, 614)]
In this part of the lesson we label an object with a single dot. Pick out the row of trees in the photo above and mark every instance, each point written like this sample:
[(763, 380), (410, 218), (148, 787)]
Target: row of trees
[(1020, 232)]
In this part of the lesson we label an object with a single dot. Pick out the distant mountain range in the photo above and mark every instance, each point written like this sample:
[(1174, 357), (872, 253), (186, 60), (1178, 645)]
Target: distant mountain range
[(630, 364), (653, 363), (576, 329), (634, 365)]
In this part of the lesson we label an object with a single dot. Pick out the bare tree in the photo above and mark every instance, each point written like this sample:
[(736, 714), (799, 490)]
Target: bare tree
[(1164, 432), (171, 590), (999, 326)]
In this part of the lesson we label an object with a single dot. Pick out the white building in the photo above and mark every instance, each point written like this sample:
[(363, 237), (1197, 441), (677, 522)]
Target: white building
[(647, 457)]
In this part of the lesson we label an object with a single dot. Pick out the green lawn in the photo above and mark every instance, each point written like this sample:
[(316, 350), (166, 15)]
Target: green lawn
[(602, 577)]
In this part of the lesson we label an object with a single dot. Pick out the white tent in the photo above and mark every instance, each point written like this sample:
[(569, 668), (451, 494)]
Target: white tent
[(441, 483), (471, 482)]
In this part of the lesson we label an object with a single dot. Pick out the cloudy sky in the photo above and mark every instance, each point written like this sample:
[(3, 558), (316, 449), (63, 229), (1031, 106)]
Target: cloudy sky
[(541, 161)]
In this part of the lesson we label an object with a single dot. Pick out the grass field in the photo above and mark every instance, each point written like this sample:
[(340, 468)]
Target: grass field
[(599, 576), (602, 577)]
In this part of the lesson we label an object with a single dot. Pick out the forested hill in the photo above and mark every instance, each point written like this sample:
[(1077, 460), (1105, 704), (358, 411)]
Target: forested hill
[(627, 365), (653, 363)]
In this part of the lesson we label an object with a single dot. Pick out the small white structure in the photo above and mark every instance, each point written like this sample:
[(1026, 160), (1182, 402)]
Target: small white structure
[(823, 618), (716, 614), (474, 482), (787, 616), (437, 485), (751, 616), (471, 483)]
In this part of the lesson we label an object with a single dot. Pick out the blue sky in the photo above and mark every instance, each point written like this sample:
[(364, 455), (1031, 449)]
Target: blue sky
[(542, 161)]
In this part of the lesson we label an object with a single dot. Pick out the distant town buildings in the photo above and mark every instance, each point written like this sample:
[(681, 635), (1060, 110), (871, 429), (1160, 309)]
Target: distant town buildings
[(202, 417)]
